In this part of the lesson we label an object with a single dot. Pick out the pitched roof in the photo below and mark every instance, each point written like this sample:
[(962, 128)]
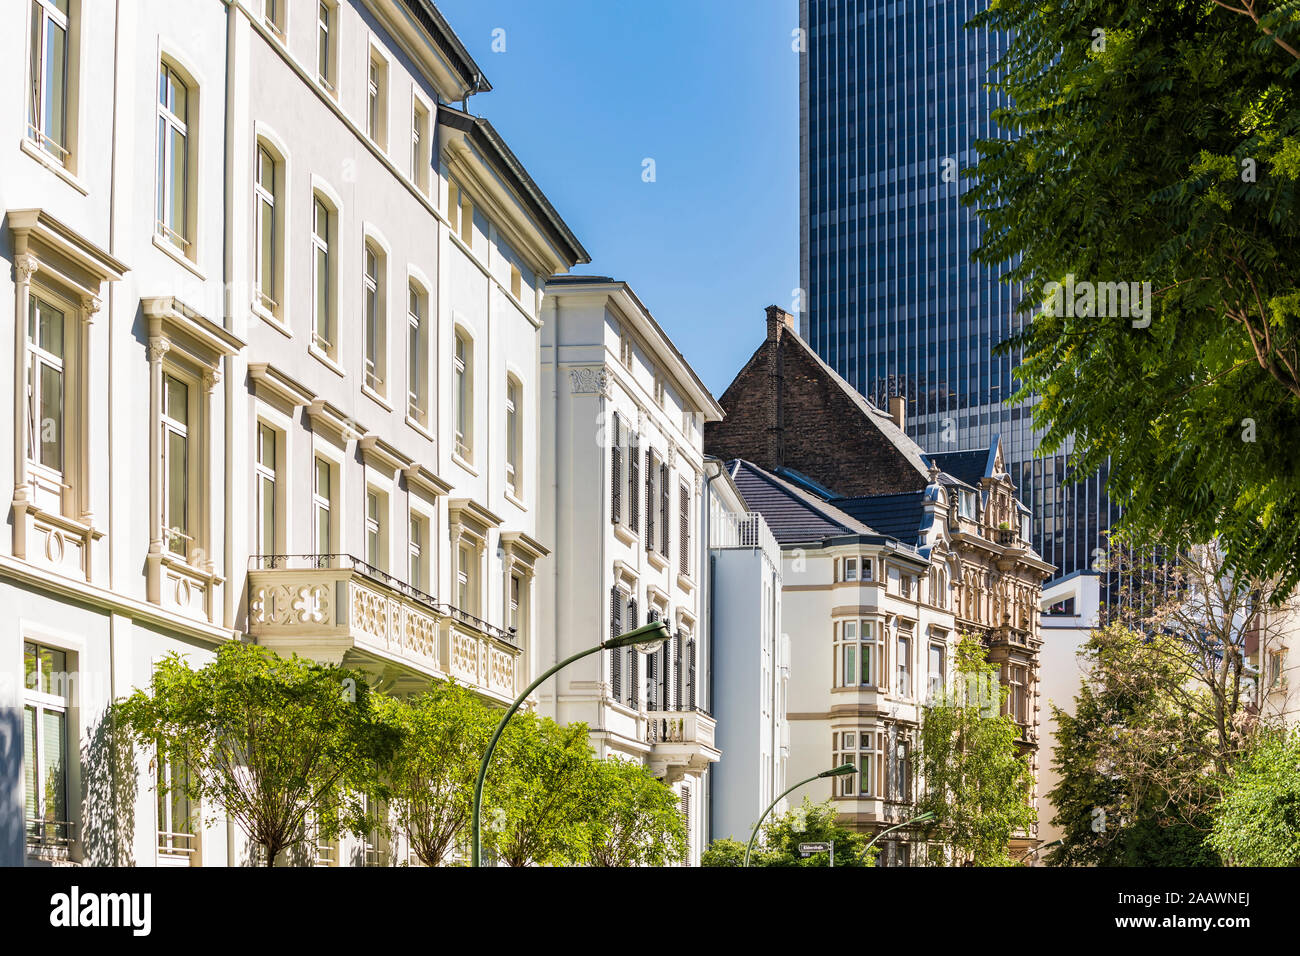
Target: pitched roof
[(898, 516), (881, 419), (967, 466), (794, 515)]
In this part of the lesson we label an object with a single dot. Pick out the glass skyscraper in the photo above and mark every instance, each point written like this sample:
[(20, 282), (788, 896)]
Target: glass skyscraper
[(892, 99)]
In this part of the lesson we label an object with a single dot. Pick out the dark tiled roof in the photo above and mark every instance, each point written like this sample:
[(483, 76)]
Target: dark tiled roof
[(966, 466), (897, 516), (794, 515)]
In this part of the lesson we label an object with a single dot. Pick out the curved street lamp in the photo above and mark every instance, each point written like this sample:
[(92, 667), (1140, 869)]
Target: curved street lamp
[(646, 639), (839, 771), (923, 818)]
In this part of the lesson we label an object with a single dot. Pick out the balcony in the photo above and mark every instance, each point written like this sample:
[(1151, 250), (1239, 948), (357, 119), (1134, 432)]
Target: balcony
[(681, 742), (339, 609)]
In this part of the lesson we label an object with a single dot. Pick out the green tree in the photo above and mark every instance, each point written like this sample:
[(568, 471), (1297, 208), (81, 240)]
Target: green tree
[(778, 842), (1131, 761), (1158, 141), (266, 738), (546, 794), (977, 783), (636, 819), (1258, 821), (431, 776)]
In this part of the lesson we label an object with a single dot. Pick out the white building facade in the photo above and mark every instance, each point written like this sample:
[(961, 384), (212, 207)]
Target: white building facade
[(623, 468), (275, 352), (752, 654)]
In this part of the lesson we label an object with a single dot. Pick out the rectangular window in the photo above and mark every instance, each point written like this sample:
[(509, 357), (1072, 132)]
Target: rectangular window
[(465, 579), (684, 524), (850, 569), (47, 114), (375, 556), (664, 494), (516, 282), (176, 813), (416, 576), (616, 472), (176, 465), (856, 653), (651, 477), (325, 45), (463, 396), (266, 242), (514, 614), (173, 158), (512, 437), (46, 702), (322, 506), (416, 388), (374, 320), (266, 490), (903, 665), (46, 383), (322, 278), (273, 15), (419, 151), (966, 504), (633, 480), (936, 678), (376, 99)]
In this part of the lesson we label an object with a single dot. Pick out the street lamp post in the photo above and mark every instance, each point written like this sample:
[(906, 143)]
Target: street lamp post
[(923, 818), (646, 638), (839, 771)]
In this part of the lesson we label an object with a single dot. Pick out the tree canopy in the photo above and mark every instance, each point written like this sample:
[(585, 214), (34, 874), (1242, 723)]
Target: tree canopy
[(266, 738), (778, 841), (1158, 141), (977, 783), (1258, 821)]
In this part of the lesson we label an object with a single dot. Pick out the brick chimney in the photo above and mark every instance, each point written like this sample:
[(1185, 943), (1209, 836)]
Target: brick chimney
[(777, 317), (898, 411)]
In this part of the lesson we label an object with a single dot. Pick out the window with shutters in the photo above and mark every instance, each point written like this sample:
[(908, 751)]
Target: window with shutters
[(616, 471), (651, 472), (633, 658), (633, 482), (686, 818), (677, 670), (691, 683), (684, 529), (663, 509), (616, 654), (654, 668)]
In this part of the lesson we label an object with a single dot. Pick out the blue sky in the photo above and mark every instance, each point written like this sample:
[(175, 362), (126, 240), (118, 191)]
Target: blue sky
[(709, 89)]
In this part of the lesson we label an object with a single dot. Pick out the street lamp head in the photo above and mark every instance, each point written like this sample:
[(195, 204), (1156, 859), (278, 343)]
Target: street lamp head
[(839, 771), (647, 638)]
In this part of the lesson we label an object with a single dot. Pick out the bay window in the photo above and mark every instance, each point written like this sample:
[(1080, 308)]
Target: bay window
[(857, 656)]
